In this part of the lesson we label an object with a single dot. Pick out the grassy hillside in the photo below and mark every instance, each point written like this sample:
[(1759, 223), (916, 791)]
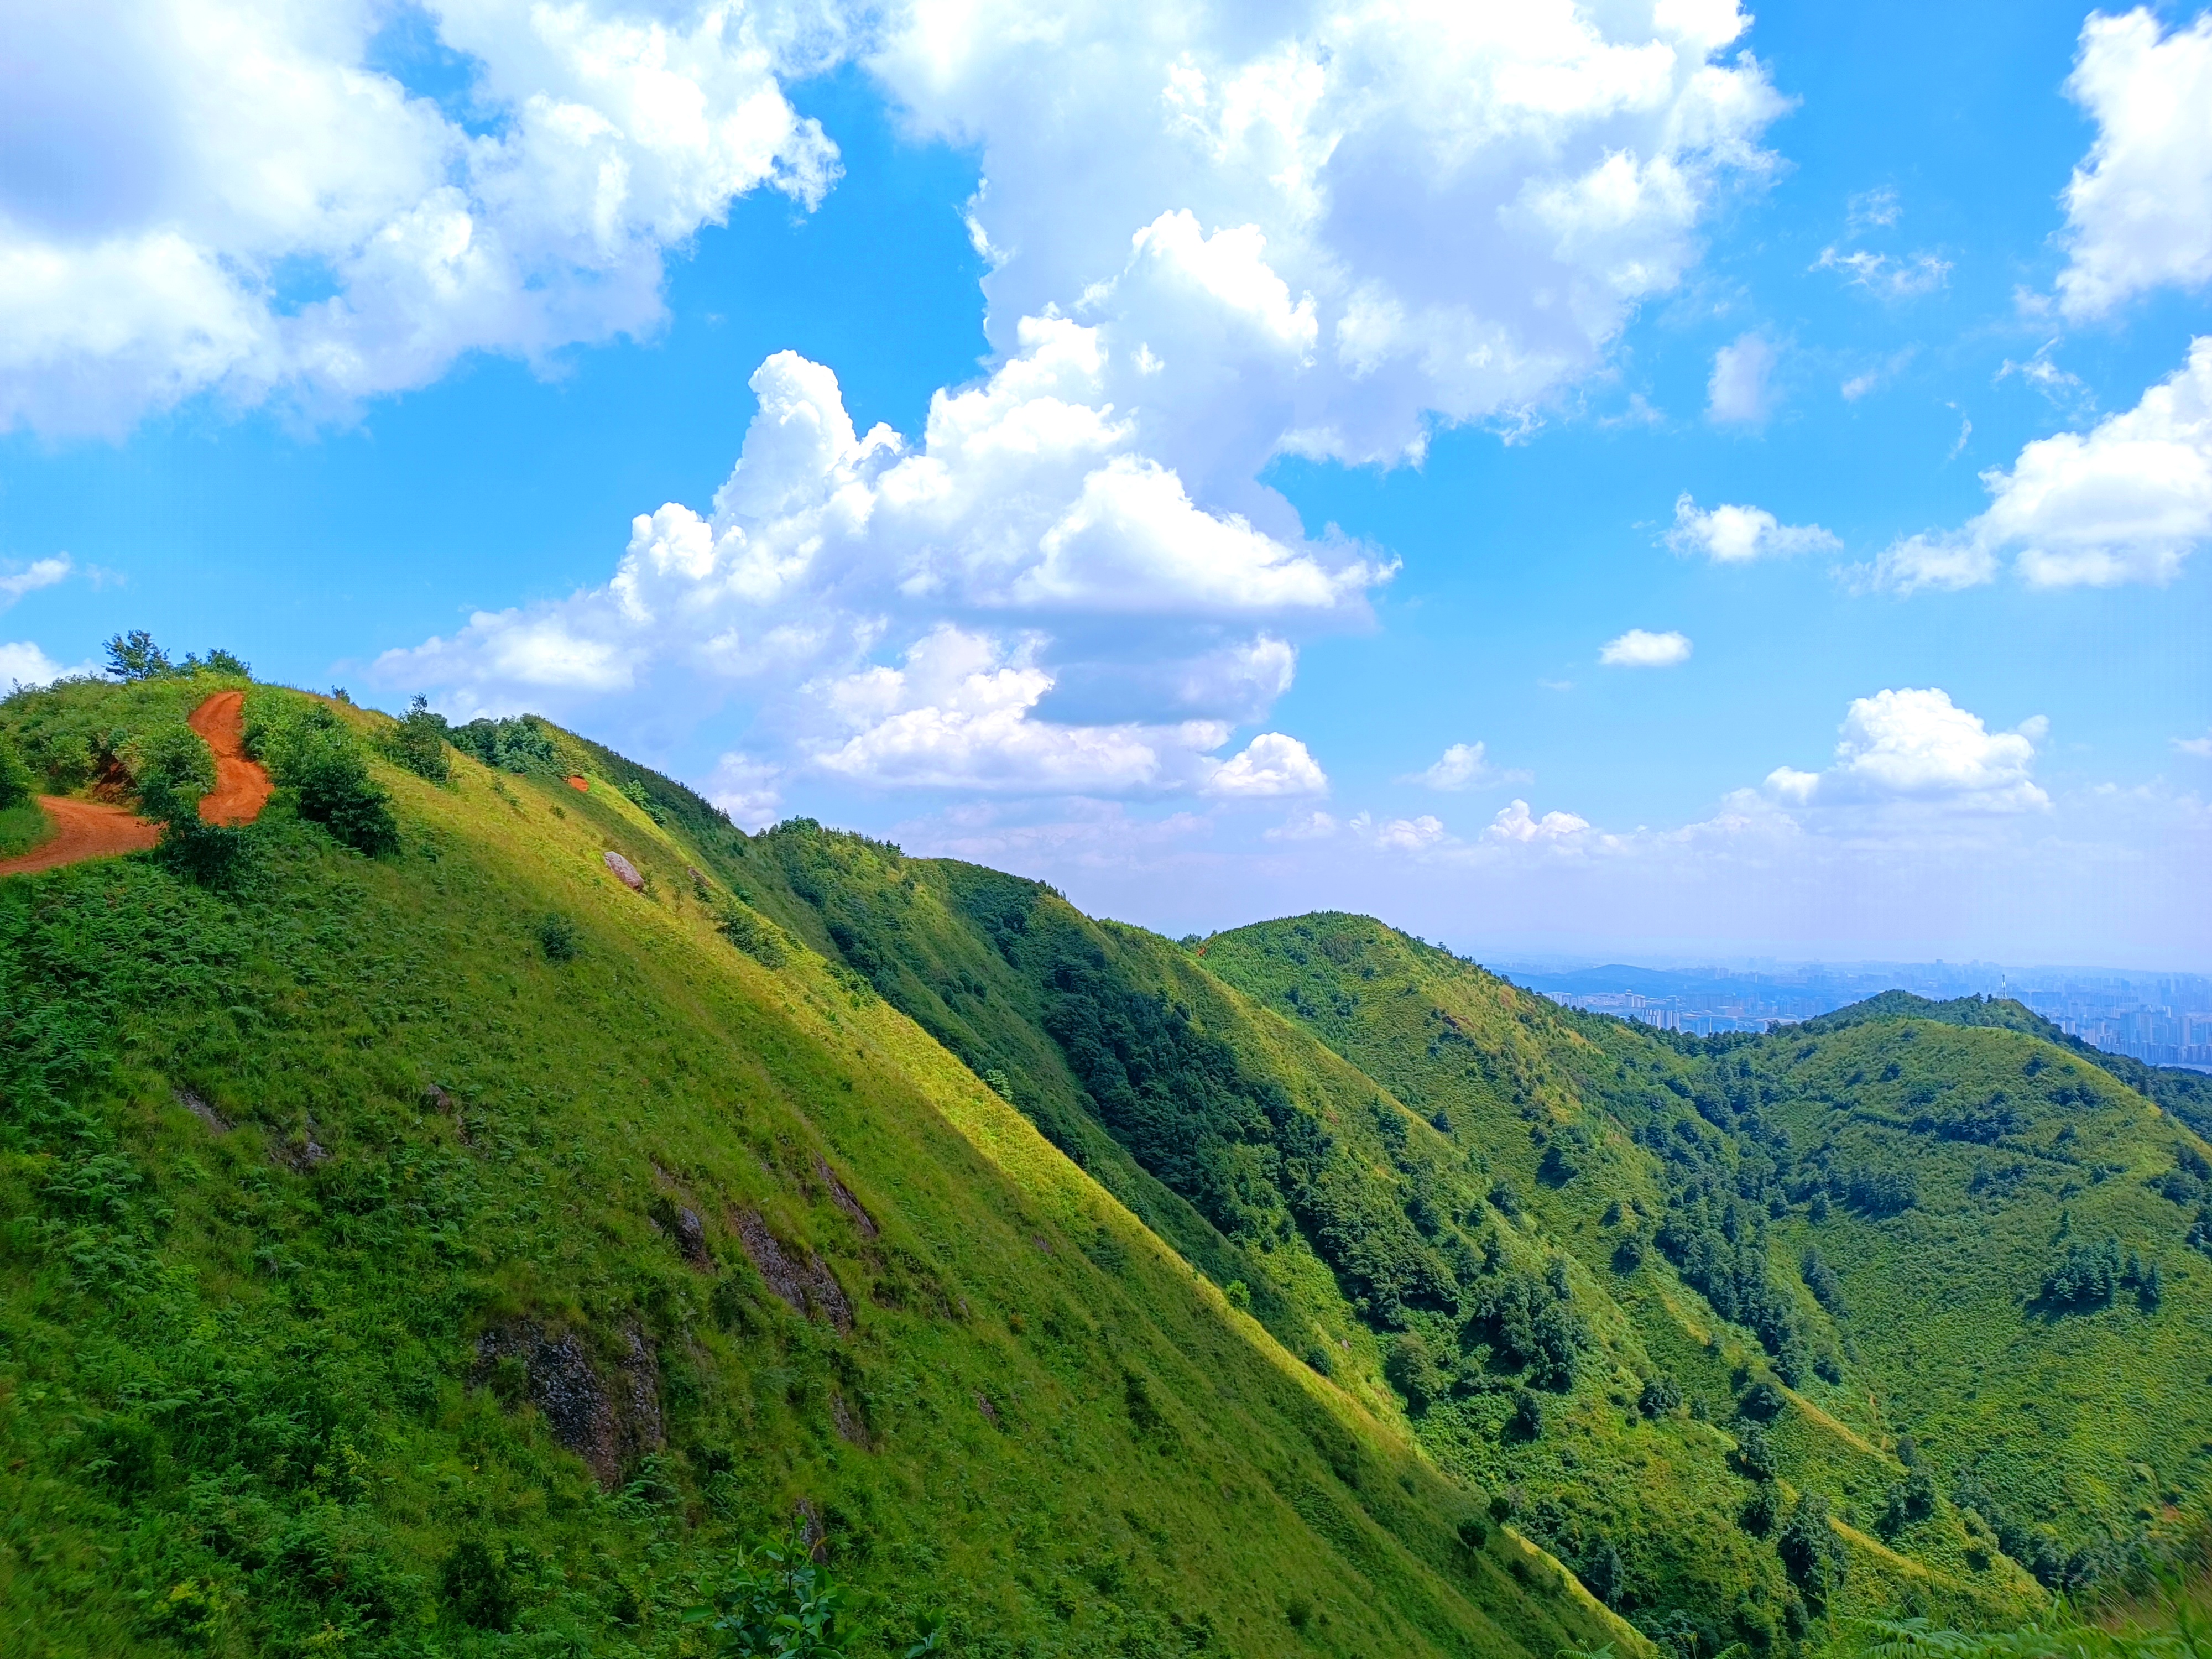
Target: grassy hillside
[(456, 1251), (1897, 1216), (1402, 1237)]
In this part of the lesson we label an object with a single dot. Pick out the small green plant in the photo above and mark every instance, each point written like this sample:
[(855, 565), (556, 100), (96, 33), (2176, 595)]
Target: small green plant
[(556, 935), (311, 753), (778, 1602), (475, 1585)]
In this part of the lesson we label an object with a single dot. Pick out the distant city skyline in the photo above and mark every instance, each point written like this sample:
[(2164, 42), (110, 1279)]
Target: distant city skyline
[(2160, 1018)]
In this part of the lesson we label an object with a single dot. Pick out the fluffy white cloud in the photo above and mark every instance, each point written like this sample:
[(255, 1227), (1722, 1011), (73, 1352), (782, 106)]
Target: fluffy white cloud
[(21, 663), (1302, 826), (1433, 207), (2200, 747), (1910, 745), (1639, 648), (1738, 391), (2125, 501), (1024, 550), (1515, 824), (2139, 208), (1737, 535), (231, 195), (1271, 764)]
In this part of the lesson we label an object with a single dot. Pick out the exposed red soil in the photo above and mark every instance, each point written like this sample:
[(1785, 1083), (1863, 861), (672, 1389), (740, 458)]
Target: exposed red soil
[(82, 830), (241, 786), (584, 784)]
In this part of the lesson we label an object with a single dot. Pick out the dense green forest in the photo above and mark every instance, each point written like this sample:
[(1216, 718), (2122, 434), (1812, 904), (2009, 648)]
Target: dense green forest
[(462, 1210)]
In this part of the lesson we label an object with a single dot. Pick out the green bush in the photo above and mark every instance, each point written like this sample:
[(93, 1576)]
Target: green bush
[(17, 785), (311, 753), (556, 936), (418, 743), (173, 769)]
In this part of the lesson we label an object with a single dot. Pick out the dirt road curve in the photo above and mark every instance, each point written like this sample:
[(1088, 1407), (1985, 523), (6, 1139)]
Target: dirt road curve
[(82, 830), (92, 829), (241, 787)]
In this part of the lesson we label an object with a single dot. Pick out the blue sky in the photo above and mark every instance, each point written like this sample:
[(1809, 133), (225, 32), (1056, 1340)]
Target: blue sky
[(1320, 397)]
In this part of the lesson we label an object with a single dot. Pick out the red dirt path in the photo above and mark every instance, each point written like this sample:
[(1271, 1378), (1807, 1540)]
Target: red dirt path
[(82, 830), (92, 829), (241, 787)]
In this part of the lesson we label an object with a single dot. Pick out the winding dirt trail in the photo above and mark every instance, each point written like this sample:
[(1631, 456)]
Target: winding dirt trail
[(92, 829), (82, 830), (241, 786)]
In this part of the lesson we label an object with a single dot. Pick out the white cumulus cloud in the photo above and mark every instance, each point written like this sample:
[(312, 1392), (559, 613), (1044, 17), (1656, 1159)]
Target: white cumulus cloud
[(1917, 746), (1640, 648), (243, 196), (1737, 535), (1271, 764), (2125, 501), (2200, 747), (1400, 834), (2139, 208), (22, 662), (1517, 824)]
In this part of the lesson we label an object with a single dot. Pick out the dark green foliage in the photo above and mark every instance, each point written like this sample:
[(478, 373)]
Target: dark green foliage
[(2085, 1277), (1810, 1550), (1762, 1402), (557, 937), (1754, 1454), (1908, 1502), (474, 1583), (1504, 1199), (419, 742), (1413, 1371), (1604, 1574), (315, 756), (1474, 1531), (1762, 1510), (1661, 1395), (17, 784), (522, 745), (1721, 1249), (1880, 1191), (1827, 1290), (1530, 1323), (1528, 1420)]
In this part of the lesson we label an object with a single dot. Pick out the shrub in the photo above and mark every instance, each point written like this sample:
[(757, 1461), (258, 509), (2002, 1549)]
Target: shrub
[(474, 1583), (520, 745), (761, 941), (1755, 1454), (1604, 1574), (16, 782), (310, 752), (556, 936), (1527, 1419), (1504, 1199), (1661, 1395), (1811, 1552), (1909, 1502), (1762, 1401), (172, 770), (418, 743), (1413, 1371), (1765, 1508), (777, 1600), (1474, 1531)]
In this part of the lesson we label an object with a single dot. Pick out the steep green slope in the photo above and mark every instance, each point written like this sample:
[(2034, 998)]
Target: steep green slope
[(1873, 1202), (456, 1251), (1418, 1259)]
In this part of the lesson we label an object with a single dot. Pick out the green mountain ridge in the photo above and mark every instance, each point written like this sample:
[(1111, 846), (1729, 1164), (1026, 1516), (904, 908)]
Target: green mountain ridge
[(1310, 1289)]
